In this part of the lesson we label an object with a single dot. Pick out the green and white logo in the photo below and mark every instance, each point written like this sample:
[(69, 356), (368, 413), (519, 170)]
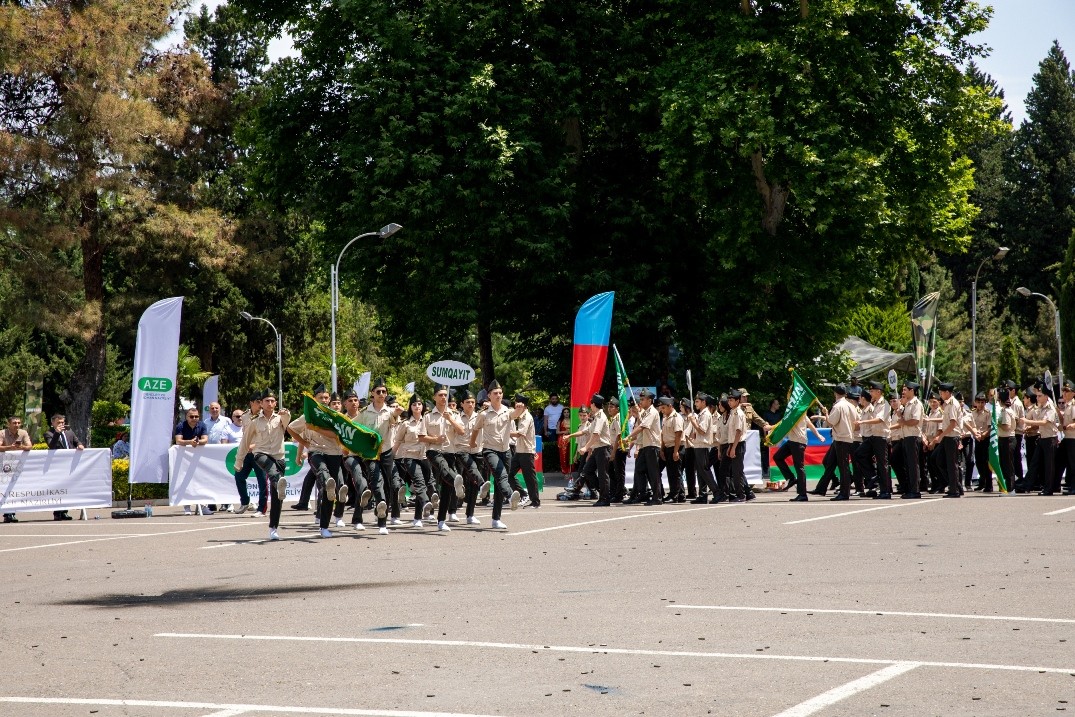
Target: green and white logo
[(291, 458), (153, 384)]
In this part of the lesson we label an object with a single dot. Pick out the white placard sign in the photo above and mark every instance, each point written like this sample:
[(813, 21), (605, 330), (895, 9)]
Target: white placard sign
[(206, 474), (55, 480), (450, 373)]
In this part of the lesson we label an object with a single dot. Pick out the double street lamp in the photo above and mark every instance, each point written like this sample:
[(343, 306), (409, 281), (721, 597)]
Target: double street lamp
[(279, 354), (1000, 254), (334, 289), (1023, 291)]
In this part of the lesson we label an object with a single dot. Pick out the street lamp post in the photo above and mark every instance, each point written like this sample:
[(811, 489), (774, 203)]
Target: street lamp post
[(1023, 291), (334, 281), (279, 353), (1001, 253)]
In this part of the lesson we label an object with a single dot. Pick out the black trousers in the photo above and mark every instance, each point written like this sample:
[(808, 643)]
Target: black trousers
[(274, 470), (524, 463), (899, 464), (731, 474), (647, 472), (837, 460), (1006, 448), (950, 462), (981, 460), (421, 474), (968, 460), (618, 476), (444, 482), (352, 468), (797, 453), (308, 482), (1044, 464), (706, 478), (1031, 479), (325, 466), (675, 472), (467, 464), (877, 450), (689, 472), (240, 483), (384, 483), (1068, 445), (498, 462), (912, 461), (597, 468), (862, 470)]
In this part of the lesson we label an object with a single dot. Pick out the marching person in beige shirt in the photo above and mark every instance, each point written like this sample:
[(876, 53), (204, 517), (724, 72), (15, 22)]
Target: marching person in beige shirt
[(1044, 461), (264, 437), (841, 419), (326, 461)]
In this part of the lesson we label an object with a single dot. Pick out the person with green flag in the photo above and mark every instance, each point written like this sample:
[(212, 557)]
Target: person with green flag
[(323, 450)]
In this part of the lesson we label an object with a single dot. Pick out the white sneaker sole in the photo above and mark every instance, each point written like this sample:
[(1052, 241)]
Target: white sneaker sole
[(514, 502), (382, 510), (330, 490), (460, 489)]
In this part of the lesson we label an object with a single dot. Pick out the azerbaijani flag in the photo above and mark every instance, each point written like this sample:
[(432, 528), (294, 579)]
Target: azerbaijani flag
[(592, 327)]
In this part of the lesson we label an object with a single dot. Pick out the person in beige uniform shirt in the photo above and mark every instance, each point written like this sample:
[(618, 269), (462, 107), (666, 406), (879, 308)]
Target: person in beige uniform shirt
[(702, 443), (598, 449), (1067, 425), (671, 442), (438, 426), (647, 436), (733, 451), (353, 466), (1046, 421), (874, 425), (909, 422), (493, 427), (467, 455), (383, 479), (523, 459), (409, 447), (947, 439), (981, 427), (264, 437), (794, 447), (326, 461), (841, 419)]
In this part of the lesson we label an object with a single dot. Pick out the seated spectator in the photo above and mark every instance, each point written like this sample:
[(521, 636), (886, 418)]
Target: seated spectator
[(121, 448)]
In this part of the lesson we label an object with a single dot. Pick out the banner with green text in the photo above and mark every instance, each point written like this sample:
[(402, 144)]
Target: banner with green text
[(355, 437)]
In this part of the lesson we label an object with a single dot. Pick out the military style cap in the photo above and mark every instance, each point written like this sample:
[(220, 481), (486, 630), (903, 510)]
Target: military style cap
[(1010, 385), (255, 396), (911, 385), (894, 396), (666, 400), (438, 387), (840, 389), (493, 385), (335, 397), (700, 396), (710, 400), (320, 388), (267, 393), (349, 393), (1069, 387), (416, 399), (465, 395), (390, 399), (945, 387), (597, 400), (520, 398), (1030, 392), (743, 392), (735, 393), (645, 393), (876, 386), (378, 383), (1003, 395), (980, 396)]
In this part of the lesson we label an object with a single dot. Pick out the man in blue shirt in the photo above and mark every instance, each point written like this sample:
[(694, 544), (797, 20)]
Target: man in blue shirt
[(192, 432)]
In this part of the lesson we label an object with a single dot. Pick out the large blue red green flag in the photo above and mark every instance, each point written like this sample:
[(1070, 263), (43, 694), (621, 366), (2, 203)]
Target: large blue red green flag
[(592, 327), (994, 452)]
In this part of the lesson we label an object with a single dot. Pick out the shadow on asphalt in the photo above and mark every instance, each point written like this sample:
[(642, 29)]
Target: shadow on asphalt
[(187, 596)]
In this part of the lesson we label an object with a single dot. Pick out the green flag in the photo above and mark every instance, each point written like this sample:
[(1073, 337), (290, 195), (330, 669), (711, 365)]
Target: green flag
[(800, 399), (355, 437), (994, 452), (623, 391)]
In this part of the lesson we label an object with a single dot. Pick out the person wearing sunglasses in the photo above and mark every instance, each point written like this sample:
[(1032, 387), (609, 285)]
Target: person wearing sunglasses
[(383, 479)]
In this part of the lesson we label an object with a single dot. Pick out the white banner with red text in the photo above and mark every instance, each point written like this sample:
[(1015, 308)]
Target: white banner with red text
[(55, 480)]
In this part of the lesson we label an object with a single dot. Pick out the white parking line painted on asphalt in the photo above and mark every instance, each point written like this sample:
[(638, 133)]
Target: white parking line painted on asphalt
[(227, 709), (120, 537), (876, 613), (836, 694), (1058, 512), (900, 504), (70, 535), (602, 650), (651, 514)]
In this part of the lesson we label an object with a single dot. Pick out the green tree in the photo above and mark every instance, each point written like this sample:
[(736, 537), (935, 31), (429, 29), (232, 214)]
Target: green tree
[(1041, 212), (89, 105), (1067, 300), (1008, 368)]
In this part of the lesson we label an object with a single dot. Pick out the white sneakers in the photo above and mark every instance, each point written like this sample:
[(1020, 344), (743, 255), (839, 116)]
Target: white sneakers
[(381, 511), (435, 500), (186, 510), (365, 499), (417, 524), (339, 523), (401, 496), (483, 493), (453, 518), (326, 533), (358, 526), (443, 527), (258, 514), (382, 531), (499, 524), (341, 494), (273, 535), (395, 521), (330, 490), (514, 502), (427, 510), (472, 520), (460, 489), (281, 489), (525, 502), (242, 509)]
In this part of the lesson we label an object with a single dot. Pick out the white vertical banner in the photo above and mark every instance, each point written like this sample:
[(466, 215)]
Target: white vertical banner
[(210, 392), (362, 385), (156, 359)]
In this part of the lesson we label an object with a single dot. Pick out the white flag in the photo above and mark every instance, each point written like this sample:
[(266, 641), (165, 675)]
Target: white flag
[(409, 388), (362, 385), (210, 392), (156, 358)]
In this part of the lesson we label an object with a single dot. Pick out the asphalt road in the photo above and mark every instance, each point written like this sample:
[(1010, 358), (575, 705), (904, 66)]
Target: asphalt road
[(932, 607)]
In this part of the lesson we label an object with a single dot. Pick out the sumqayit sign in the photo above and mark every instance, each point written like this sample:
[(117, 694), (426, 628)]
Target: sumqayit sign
[(450, 373)]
